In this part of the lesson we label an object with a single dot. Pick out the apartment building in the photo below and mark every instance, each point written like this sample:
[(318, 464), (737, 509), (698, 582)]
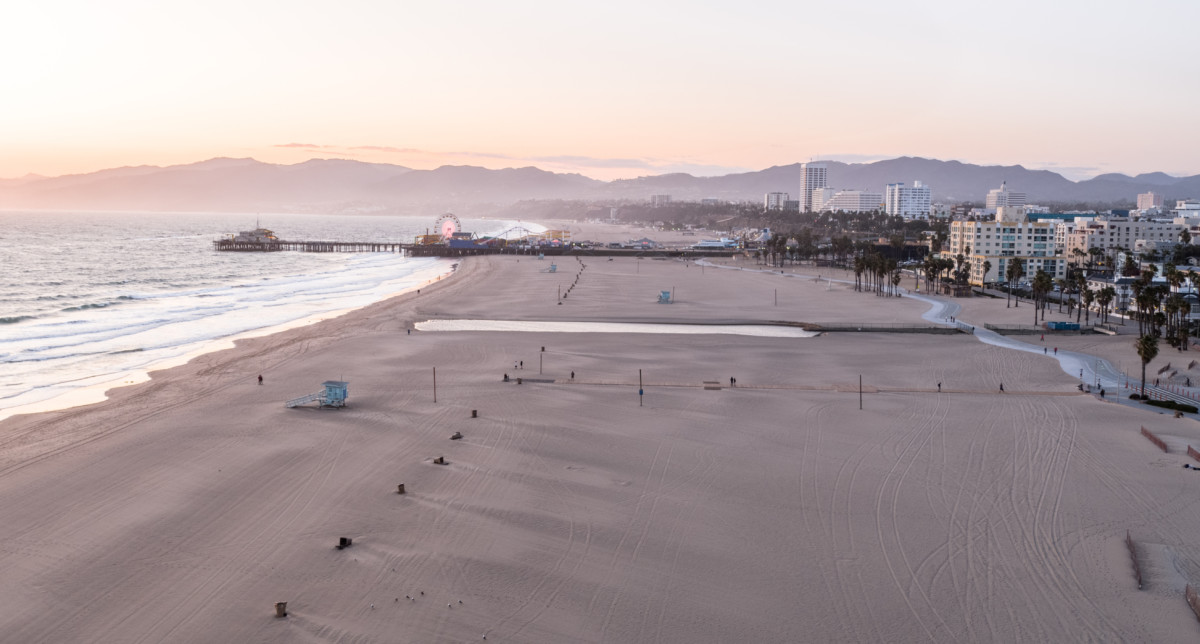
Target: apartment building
[(1122, 232), (776, 200), (1001, 241)]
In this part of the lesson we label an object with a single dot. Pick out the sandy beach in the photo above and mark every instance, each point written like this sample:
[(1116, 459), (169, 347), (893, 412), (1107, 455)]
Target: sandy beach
[(573, 510)]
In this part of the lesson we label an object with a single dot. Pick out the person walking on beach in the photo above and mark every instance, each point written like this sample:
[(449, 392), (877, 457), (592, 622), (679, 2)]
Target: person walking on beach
[(523, 362), (260, 379), (572, 375), (1002, 387), (1055, 350), (939, 387)]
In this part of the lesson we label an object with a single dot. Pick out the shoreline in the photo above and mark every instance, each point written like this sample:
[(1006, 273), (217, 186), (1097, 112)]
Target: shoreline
[(100, 392)]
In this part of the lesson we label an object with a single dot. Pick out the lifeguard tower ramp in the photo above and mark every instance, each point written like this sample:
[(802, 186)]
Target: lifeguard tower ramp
[(553, 268), (334, 395)]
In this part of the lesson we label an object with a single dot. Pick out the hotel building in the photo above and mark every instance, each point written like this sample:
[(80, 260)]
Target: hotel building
[(906, 202), (812, 177)]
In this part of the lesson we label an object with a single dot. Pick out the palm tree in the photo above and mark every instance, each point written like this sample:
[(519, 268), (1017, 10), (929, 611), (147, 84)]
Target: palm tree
[(1087, 296), (1042, 284), (1147, 350), (1105, 298), (1013, 273), (987, 268)]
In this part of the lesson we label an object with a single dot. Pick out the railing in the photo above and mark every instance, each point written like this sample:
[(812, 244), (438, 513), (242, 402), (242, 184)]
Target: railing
[(304, 400), (1137, 569), (1154, 439), (1034, 329)]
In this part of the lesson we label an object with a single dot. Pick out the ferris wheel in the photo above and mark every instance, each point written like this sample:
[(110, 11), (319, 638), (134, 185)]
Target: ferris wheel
[(447, 225)]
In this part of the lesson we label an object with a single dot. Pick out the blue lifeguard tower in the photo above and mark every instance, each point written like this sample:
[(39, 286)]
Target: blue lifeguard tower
[(334, 395), (664, 297)]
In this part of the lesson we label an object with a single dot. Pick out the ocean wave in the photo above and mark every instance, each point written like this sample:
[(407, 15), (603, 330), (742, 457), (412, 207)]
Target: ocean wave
[(18, 318), (93, 305)]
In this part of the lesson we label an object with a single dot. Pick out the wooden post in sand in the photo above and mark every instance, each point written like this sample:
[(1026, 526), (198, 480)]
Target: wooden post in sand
[(400, 488), (640, 390), (860, 391), (281, 609), (435, 384), (776, 297)]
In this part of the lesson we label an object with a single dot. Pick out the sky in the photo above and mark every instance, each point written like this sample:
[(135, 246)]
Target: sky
[(610, 90)]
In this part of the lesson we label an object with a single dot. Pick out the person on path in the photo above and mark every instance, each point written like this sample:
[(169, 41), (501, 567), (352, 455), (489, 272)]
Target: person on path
[(1055, 350), (1044, 350), (1043, 337), (260, 379)]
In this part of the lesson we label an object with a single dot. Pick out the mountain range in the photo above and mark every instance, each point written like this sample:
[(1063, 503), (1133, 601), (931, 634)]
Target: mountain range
[(346, 186)]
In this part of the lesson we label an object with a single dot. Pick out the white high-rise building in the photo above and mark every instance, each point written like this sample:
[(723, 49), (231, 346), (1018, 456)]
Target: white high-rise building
[(820, 197), (906, 202), (812, 177), (1001, 197), (775, 200)]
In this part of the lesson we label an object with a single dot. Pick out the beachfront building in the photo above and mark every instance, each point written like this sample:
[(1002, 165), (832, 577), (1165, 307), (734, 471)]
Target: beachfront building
[(775, 200), (906, 202), (1002, 197), (813, 176), (1105, 233), (659, 200), (1149, 200), (1187, 208), (1011, 235), (852, 201)]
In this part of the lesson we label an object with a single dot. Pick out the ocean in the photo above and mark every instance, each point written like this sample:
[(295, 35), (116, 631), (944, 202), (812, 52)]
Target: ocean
[(89, 301)]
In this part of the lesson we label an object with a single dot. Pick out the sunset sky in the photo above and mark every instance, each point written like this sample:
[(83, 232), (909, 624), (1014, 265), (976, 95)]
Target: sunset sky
[(611, 89)]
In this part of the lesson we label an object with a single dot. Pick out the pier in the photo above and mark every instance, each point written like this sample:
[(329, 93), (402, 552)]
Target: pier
[(414, 250), (444, 250)]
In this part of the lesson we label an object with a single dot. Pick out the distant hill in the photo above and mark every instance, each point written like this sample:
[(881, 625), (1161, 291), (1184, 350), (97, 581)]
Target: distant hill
[(337, 185)]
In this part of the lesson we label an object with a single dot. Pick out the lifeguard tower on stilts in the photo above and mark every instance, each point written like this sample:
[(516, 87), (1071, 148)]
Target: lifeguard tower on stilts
[(334, 395)]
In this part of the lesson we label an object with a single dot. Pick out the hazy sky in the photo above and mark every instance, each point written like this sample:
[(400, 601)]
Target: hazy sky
[(607, 89)]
